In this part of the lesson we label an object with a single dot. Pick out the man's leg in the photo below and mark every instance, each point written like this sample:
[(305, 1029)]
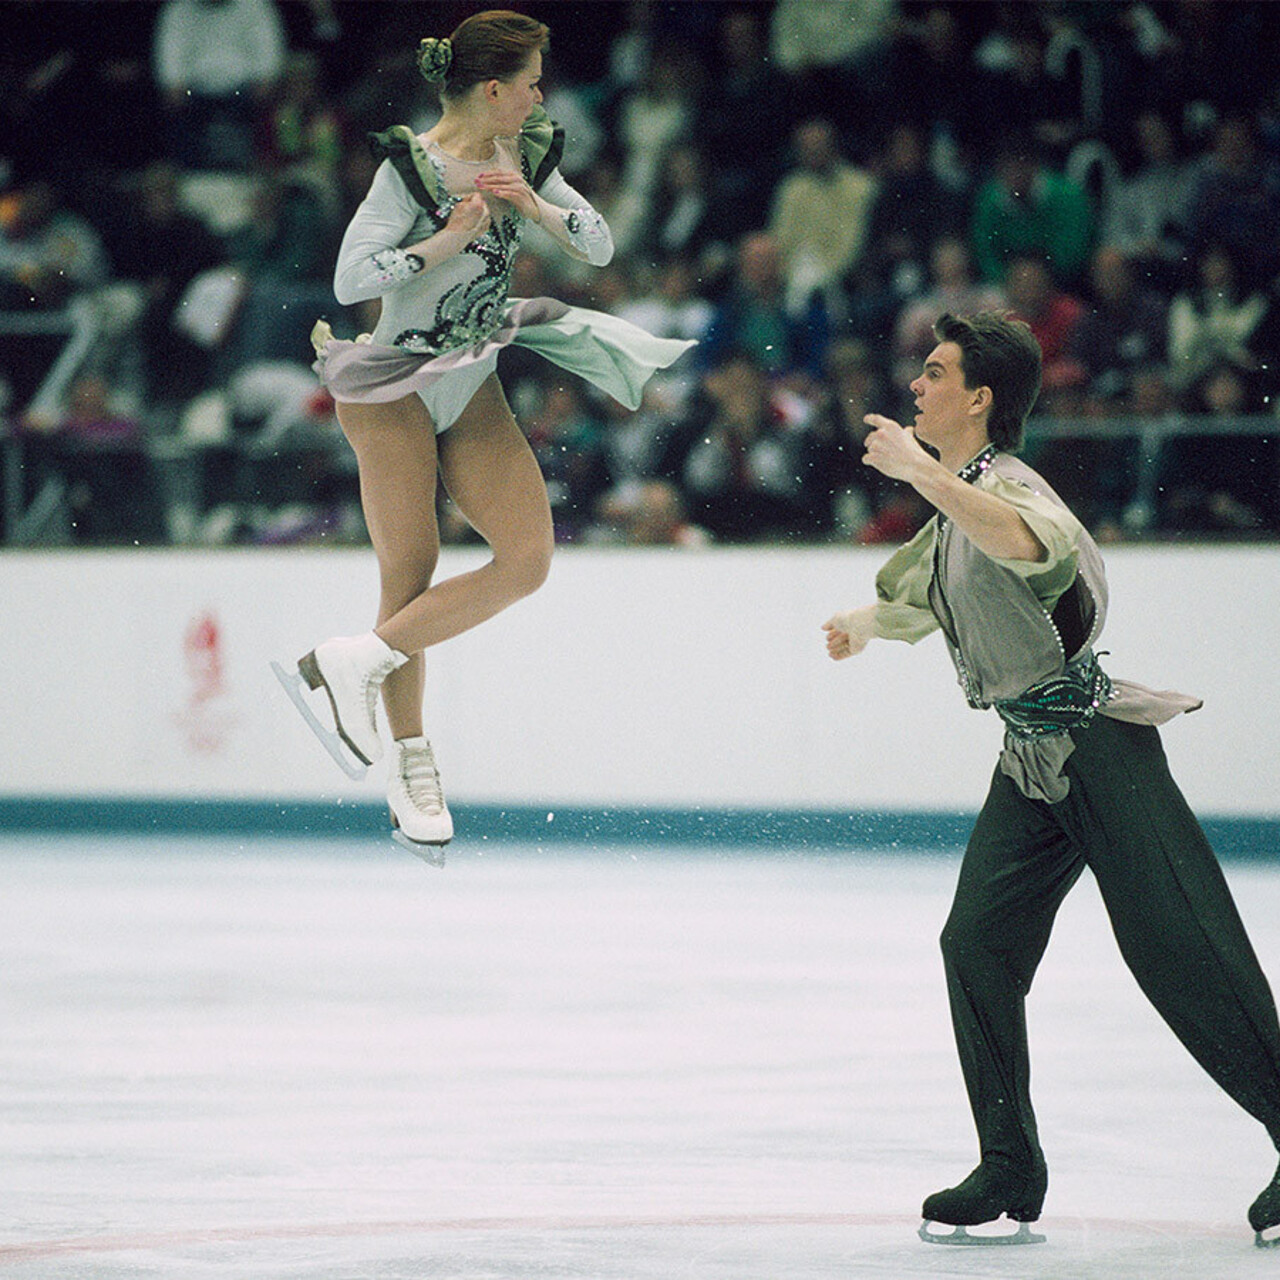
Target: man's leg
[(1017, 869), (1172, 912)]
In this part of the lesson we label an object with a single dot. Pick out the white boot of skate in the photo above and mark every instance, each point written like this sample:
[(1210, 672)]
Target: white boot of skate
[(416, 799), (351, 670)]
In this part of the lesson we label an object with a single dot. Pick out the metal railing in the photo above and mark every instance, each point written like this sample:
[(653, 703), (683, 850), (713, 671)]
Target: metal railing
[(1151, 435)]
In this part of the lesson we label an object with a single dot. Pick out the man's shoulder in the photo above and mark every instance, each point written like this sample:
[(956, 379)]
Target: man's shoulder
[(1009, 467)]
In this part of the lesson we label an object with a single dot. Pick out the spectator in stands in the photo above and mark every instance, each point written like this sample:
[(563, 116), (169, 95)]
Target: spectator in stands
[(159, 249), (568, 441), (284, 253), (648, 513), (821, 213), (1216, 320), (216, 61), (1054, 315), (1122, 333), (672, 309), (1220, 483), (743, 473), (1010, 65), (742, 127), (1027, 206), (1213, 59), (681, 218), (1237, 201), (932, 54), (655, 116), (95, 457), (912, 209), (649, 443), (952, 289), (844, 493), (755, 317), (836, 56), (1147, 213), (48, 254), (303, 130)]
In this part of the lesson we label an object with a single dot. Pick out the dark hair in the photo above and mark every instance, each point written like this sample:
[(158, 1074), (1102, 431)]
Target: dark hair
[(493, 45), (999, 352)]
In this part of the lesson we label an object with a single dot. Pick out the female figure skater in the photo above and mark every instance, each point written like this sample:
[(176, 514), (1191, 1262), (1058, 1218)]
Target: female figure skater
[(435, 239)]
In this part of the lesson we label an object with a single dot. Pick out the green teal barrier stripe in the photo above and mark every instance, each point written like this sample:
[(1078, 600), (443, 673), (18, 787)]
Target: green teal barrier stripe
[(819, 830)]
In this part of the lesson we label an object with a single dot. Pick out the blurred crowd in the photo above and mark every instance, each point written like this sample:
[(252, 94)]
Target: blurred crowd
[(801, 185)]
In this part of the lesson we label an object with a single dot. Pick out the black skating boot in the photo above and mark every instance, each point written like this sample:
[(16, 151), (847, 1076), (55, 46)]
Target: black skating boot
[(992, 1189), (1264, 1213)]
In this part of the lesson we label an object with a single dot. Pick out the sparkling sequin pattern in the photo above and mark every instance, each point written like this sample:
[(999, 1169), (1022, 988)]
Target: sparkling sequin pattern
[(471, 310), (586, 229), (1060, 703), (395, 266)]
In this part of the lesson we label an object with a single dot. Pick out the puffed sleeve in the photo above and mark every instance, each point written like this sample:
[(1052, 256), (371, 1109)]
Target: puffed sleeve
[(902, 590), (1054, 525), (578, 228), (370, 261)]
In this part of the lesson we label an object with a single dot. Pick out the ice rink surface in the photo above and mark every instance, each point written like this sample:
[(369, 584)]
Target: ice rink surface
[(282, 1060)]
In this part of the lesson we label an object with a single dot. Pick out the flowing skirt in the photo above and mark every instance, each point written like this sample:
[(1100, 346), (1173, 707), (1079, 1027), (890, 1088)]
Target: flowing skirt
[(613, 354)]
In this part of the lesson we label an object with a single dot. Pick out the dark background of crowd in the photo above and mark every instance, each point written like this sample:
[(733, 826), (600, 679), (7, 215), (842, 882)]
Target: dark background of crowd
[(803, 186)]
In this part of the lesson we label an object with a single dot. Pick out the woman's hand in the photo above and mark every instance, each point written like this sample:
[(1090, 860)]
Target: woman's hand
[(470, 218), (508, 185)]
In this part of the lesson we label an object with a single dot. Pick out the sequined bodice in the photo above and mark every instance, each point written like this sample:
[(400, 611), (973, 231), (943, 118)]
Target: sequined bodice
[(459, 302)]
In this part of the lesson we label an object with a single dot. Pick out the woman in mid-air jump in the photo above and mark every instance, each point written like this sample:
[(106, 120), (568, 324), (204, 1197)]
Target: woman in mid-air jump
[(435, 239)]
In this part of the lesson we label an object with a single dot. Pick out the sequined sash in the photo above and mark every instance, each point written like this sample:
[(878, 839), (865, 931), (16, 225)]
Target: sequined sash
[(1059, 703)]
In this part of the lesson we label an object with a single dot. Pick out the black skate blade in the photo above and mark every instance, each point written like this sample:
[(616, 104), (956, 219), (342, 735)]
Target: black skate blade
[(961, 1236), (431, 854), (292, 684)]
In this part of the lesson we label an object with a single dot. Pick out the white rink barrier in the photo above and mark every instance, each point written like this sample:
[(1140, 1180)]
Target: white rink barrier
[(635, 680)]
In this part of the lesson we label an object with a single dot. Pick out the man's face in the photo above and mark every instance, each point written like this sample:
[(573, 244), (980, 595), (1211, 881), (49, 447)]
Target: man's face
[(942, 400)]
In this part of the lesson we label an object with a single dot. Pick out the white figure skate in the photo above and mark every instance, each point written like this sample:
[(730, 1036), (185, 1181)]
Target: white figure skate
[(350, 670), (420, 818)]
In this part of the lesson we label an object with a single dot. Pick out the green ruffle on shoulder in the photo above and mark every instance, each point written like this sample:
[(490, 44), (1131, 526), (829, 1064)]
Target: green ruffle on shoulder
[(541, 146), (400, 145)]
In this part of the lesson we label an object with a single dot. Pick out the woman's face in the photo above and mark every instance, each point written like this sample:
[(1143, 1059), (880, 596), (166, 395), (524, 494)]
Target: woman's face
[(519, 95)]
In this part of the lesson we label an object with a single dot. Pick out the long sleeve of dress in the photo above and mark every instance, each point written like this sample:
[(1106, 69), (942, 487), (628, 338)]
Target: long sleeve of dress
[(572, 222), (371, 262)]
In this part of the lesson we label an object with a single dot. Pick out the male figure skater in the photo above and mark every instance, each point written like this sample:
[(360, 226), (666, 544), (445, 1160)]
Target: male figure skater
[(1018, 589)]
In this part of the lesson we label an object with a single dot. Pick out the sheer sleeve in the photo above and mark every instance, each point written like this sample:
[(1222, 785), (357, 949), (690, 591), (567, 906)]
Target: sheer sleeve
[(573, 223)]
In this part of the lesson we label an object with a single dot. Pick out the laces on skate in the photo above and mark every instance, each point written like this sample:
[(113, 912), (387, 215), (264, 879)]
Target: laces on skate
[(419, 816), (422, 780)]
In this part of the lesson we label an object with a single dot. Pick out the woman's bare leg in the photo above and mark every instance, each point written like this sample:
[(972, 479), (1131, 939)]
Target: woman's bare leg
[(395, 446), (493, 477)]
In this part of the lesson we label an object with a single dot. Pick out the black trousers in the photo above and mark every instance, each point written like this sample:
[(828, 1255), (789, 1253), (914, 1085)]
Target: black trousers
[(1173, 916)]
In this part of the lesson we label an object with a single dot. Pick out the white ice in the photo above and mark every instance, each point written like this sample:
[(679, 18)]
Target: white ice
[(258, 1060)]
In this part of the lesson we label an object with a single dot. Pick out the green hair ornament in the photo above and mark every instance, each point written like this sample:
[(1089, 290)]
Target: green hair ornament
[(435, 57)]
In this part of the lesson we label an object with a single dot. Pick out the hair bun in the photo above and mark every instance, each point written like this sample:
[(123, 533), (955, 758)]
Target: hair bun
[(434, 57)]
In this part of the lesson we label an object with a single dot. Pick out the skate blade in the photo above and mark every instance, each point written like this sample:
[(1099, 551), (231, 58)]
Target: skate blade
[(960, 1235), (431, 854), (1264, 1242), (292, 684)]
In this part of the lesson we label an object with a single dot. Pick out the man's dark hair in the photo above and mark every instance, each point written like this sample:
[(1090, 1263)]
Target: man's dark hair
[(999, 352)]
